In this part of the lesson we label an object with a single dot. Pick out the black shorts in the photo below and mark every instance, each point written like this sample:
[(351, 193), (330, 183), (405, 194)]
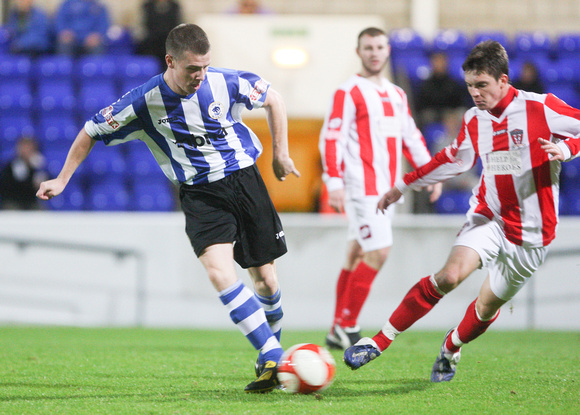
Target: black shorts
[(234, 209)]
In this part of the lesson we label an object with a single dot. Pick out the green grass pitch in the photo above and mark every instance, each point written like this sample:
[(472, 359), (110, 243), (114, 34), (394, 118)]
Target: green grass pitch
[(58, 370)]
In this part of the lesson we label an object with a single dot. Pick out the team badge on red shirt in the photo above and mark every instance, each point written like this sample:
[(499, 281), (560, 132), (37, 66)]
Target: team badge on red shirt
[(517, 136)]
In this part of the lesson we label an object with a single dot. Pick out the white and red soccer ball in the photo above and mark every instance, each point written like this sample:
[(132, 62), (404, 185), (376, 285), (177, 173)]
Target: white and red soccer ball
[(306, 368)]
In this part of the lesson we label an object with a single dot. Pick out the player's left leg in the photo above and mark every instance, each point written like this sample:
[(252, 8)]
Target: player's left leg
[(480, 314)]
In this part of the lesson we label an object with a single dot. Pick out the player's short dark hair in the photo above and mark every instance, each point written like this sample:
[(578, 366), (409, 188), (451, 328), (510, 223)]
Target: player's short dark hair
[(372, 32), (187, 37), (488, 57)]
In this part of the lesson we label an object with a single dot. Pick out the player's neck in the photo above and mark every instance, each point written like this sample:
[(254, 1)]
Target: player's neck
[(375, 78)]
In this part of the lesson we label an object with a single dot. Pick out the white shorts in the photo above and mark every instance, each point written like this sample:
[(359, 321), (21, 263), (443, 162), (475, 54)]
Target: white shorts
[(371, 229), (510, 266)]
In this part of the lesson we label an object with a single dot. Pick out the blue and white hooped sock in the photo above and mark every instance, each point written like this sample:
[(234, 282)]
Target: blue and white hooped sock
[(273, 308), (248, 315)]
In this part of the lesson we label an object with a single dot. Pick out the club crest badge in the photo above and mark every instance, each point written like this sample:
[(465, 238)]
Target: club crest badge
[(215, 110), (517, 136)]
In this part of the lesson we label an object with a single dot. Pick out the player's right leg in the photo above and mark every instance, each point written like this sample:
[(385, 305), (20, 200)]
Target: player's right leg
[(245, 311), (420, 299)]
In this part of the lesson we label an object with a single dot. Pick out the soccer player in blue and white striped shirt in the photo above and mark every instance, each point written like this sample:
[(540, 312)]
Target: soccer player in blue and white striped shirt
[(190, 118)]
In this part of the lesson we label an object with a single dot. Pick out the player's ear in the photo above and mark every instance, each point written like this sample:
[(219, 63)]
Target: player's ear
[(170, 61)]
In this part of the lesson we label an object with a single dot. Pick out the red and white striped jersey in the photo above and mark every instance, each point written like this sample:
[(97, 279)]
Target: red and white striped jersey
[(519, 186), (364, 134)]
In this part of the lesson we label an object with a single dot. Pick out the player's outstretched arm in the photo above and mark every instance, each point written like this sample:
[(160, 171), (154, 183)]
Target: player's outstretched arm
[(79, 150), (282, 164), (388, 199)]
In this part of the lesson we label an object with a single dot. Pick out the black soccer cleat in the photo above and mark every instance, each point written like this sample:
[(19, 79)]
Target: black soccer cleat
[(267, 381)]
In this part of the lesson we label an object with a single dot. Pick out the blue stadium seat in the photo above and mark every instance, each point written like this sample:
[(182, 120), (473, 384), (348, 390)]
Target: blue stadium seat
[(101, 68), (451, 42), (56, 97), (55, 67), (107, 196), (15, 67), (153, 197), (407, 40), (435, 135), (120, 41), (453, 201), (570, 175), (455, 68), (72, 199), (141, 163), (55, 157), (56, 132), (93, 97), (567, 45), (13, 127), (570, 202), (417, 68), (566, 93), (105, 164), (138, 67), (15, 97), (4, 41), (500, 37), (532, 45)]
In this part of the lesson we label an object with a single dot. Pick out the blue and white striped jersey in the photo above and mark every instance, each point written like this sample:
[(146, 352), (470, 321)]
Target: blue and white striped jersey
[(196, 139)]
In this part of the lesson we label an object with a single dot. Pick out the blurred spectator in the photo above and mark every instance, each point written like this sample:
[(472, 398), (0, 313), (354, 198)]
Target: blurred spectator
[(439, 92), (28, 29), (81, 27), (249, 7), (529, 79), (21, 177), (159, 17)]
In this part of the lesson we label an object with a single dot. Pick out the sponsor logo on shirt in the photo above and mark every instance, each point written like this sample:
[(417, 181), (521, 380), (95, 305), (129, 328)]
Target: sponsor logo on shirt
[(166, 120), (194, 141), (335, 123), (108, 114), (260, 87), (499, 132)]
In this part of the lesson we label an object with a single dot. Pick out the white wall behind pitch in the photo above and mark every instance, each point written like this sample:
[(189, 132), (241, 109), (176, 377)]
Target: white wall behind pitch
[(48, 285)]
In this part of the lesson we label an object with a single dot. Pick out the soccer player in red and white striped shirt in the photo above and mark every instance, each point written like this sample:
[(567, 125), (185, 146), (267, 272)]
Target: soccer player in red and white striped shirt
[(367, 130), (521, 138)]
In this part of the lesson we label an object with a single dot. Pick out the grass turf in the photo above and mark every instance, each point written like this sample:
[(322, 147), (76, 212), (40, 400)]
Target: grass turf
[(55, 370)]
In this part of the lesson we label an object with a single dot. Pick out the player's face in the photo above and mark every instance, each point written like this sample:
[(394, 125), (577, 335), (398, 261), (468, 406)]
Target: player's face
[(485, 90), (373, 52), (187, 72)]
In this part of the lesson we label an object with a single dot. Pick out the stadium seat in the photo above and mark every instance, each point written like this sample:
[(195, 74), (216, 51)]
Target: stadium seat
[(153, 197), (570, 175), (107, 196), (453, 202), (105, 164), (138, 67), (55, 67), (93, 97), (102, 68), (570, 202), (4, 41), (15, 67), (55, 157), (566, 93), (452, 42), (15, 97), (143, 166), (14, 126), (56, 132), (56, 96), (120, 41), (532, 45), (500, 37), (435, 135), (72, 199), (567, 45), (417, 68)]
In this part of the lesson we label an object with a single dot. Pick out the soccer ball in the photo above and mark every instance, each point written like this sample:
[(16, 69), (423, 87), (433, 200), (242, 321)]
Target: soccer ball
[(306, 368)]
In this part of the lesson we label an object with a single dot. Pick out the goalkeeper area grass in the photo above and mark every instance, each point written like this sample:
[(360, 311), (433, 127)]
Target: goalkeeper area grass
[(61, 370)]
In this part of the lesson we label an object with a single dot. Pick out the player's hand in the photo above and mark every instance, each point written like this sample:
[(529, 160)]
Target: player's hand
[(50, 189), (552, 149), (388, 199), (436, 190), (284, 167), (336, 200)]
